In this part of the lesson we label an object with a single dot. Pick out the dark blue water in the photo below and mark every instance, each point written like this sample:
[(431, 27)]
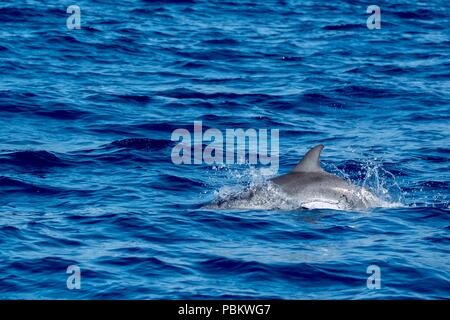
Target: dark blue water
[(86, 176)]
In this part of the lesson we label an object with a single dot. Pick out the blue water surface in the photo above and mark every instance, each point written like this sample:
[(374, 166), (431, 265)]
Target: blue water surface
[(86, 176)]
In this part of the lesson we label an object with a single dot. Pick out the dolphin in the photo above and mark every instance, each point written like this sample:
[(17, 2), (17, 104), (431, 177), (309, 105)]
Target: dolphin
[(306, 186)]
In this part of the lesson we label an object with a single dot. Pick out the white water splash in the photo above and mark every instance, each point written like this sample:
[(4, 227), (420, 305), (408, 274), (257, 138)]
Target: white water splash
[(382, 183)]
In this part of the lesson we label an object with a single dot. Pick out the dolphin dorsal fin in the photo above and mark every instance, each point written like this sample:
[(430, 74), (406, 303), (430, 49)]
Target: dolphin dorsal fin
[(310, 161)]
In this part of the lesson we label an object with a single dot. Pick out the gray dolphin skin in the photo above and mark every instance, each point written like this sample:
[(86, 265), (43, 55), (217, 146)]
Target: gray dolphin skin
[(306, 186), (316, 188)]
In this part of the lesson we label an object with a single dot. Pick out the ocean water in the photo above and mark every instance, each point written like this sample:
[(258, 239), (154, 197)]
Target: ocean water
[(87, 179)]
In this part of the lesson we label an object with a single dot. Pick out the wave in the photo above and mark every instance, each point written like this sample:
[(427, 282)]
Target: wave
[(303, 272), (344, 27), (141, 143), (34, 159), (9, 185)]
